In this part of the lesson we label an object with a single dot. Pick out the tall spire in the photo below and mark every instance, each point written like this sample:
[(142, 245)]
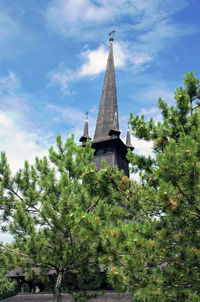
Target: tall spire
[(107, 121), (85, 135), (107, 144)]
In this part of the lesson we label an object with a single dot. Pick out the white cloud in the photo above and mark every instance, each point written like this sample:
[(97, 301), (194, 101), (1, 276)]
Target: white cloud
[(16, 140), (88, 19), (93, 62), (61, 77), (19, 144), (147, 26), (142, 147), (70, 17)]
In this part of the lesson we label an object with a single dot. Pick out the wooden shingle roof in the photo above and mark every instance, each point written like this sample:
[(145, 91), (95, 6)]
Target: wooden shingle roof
[(108, 113), (108, 297)]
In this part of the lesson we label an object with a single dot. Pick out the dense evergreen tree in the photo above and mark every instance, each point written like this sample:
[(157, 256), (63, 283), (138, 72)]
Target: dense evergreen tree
[(55, 210), (156, 256)]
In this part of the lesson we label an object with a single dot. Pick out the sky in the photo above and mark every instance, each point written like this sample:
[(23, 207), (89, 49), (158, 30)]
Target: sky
[(53, 57)]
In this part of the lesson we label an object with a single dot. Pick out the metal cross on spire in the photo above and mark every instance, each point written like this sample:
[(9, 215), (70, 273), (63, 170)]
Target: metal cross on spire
[(111, 34)]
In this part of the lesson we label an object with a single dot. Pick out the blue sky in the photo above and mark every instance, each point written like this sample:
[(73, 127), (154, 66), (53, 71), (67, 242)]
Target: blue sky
[(53, 56)]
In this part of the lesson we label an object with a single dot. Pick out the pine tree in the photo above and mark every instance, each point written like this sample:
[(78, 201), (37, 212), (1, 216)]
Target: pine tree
[(7, 287), (68, 218), (156, 255), (56, 209)]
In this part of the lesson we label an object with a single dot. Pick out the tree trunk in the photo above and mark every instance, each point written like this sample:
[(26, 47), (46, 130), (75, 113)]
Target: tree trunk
[(57, 294)]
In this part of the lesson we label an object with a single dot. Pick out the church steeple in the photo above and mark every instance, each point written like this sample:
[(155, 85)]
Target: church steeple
[(107, 121), (107, 143)]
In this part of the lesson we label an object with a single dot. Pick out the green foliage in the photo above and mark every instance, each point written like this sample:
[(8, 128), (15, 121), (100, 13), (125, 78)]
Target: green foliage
[(8, 287), (69, 219), (155, 256), (56, 209)]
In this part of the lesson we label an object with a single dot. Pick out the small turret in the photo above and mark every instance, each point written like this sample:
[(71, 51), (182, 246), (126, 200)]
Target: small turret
[(128, 140), (85, 135)]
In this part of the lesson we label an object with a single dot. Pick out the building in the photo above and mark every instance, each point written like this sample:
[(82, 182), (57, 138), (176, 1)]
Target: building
[(107, 142)]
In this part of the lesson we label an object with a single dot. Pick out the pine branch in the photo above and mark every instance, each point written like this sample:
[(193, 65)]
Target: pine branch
[(93, 205), (14, 252), (14, 192)]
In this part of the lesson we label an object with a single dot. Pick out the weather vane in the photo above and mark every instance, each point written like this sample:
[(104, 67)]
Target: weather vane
[(111, 34)]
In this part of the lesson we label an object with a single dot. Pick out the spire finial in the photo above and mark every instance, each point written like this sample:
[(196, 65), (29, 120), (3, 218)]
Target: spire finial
[(86, 116), (111, 34)]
